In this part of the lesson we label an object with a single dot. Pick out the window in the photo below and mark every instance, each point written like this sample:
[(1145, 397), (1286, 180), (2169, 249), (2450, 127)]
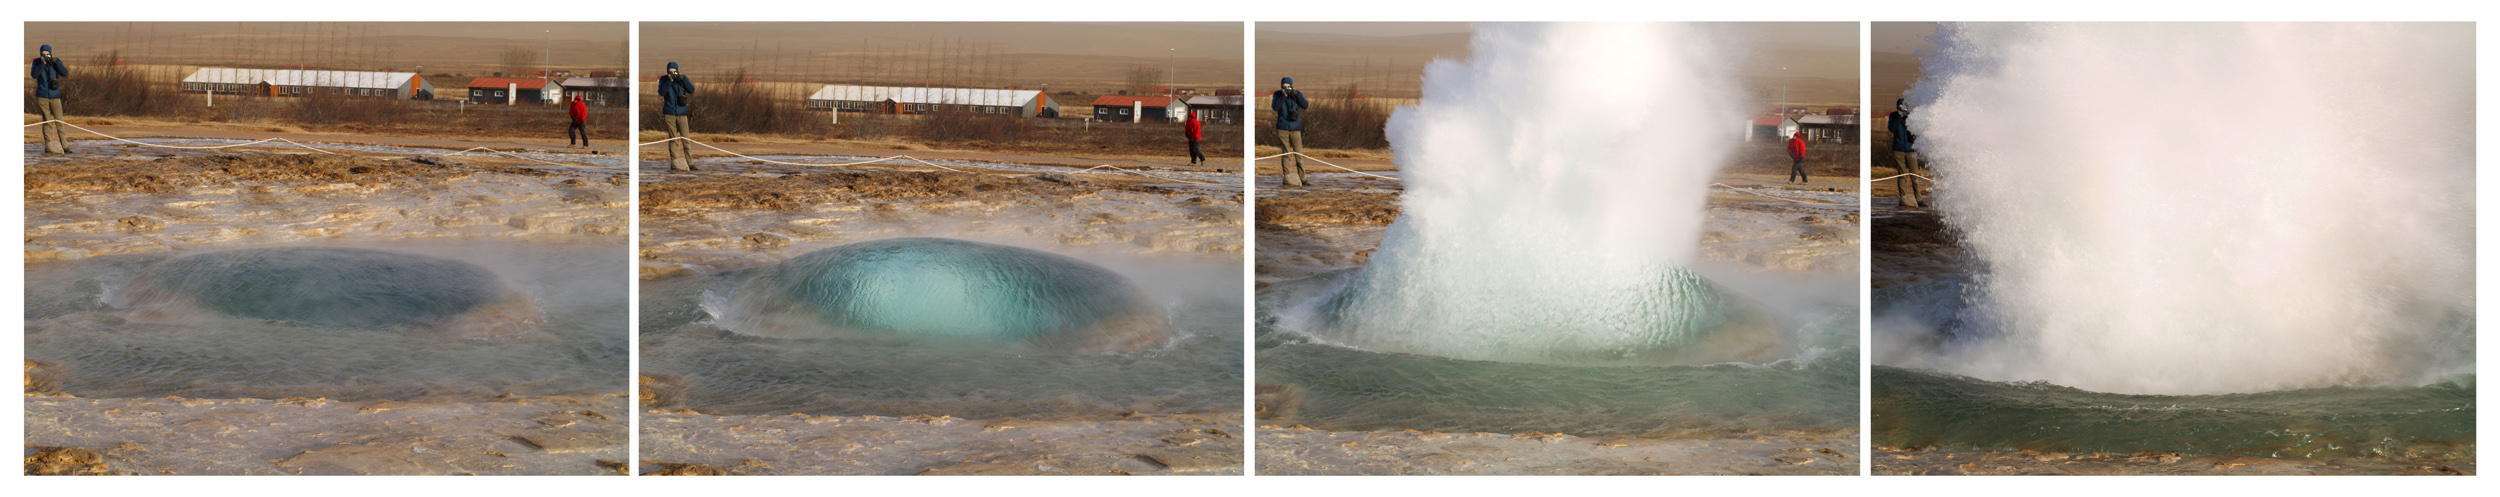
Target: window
[(498, 93)]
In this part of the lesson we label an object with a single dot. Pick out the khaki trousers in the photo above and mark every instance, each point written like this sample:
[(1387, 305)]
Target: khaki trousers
[(55, 136), (1292, 164), (1908, 162), (680, 155)]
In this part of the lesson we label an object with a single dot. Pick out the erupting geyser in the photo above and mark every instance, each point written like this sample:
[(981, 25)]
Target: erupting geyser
[(330, 287), (949, 288), (2204, 208), (1554, 195)]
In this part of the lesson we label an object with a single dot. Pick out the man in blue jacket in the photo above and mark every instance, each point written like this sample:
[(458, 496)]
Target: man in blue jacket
[(1289, 104), (674, 88), (1904, 151), (48, 72)]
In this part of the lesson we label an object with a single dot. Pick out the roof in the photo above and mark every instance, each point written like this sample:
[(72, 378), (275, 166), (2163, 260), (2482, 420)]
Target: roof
[(530, 83), (1122, 101), (1214, 100), (299, 77), (910, 95), (1769, 120), (594, 83), (1837, 120)]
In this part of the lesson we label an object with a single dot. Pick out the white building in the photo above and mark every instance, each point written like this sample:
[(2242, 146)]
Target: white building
[(913, 100), (299, 82)]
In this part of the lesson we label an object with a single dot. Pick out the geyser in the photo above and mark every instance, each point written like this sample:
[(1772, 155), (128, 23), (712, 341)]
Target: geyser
[(2204, 208), (938, 287), (1554, 193), (330, 287)]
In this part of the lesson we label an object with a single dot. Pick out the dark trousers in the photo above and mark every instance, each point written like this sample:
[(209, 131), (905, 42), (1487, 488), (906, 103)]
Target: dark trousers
[(1797, 170), (1194, 156), (577, 131)]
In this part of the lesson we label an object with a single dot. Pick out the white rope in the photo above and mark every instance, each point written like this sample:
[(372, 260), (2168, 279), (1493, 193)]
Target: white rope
[(1330, 164), (1930, 180), (883, 159), (289, 142)]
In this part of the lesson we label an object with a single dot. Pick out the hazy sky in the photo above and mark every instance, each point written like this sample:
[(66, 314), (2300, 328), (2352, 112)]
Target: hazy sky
[(1901, 37), (1811, 33)]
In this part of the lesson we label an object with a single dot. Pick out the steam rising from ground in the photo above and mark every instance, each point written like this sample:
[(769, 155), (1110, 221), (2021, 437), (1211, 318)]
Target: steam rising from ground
[(1554, 193), (2204, 208)]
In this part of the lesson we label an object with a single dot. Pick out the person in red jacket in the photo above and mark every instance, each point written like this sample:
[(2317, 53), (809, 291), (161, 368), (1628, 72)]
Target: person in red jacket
[(1196, 132), (581, 117), (1797, 156)]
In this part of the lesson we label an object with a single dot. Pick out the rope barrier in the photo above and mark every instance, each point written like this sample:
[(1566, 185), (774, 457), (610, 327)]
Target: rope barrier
[(1930, 180), (883, 159), (1330, 164), (282, 139)]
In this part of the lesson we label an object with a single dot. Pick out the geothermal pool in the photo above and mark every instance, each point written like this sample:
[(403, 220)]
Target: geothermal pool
[(1560, 266), (2292, 284), (706, 365), (97, 350)]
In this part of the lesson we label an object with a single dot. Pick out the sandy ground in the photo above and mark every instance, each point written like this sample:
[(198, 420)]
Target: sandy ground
[(1306, 231), (123, 200)]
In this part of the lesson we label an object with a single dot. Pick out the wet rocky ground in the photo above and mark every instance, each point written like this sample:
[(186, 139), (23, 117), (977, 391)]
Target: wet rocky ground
[(1892, 461), (141, 201), (688, 443), (714, 220), (1294, 450), (546, 435)]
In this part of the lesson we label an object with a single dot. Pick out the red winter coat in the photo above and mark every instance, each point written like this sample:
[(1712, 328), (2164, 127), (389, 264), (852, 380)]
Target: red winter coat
[(1796, 147), (581, 112), (1194, 129)]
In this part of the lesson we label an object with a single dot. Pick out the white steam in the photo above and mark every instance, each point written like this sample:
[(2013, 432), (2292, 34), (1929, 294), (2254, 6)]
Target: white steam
[(1553, 182), (2207, 208)]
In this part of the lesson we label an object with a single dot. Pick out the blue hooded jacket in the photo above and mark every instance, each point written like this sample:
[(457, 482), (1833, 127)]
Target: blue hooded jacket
[(1288, 108), (48, 72), (673, 91), (1899, 124)]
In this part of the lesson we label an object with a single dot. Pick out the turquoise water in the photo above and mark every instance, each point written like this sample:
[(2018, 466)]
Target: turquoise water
[(945, 288), (324, 286), (894, 374), (1347, 388), (579, 290)]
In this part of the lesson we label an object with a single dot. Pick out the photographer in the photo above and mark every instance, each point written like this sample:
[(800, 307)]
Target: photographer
[(674, 88), (1289, 104), (48, 72)]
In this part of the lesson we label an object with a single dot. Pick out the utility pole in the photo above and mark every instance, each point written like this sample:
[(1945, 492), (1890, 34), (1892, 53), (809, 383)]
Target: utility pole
[(1169, 58)]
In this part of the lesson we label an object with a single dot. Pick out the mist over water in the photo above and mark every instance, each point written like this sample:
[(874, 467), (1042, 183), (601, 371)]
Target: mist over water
[(2190, 209), (1554, 195)]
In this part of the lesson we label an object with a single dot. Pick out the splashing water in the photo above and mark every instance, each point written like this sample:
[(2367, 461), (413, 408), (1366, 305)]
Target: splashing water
[(1554, 194), (2203, 208)]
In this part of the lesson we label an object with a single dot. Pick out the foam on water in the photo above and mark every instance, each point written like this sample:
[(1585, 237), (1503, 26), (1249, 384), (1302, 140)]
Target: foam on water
[(2201, 208), (1541, 221)]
